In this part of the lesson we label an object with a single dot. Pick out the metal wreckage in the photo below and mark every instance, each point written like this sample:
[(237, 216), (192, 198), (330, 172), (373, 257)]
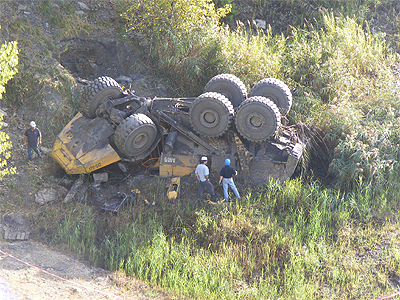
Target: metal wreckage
[(117, 126)]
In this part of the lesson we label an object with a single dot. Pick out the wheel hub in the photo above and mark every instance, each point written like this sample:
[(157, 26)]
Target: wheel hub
[(209, 118), (140, 141), (255, 121)]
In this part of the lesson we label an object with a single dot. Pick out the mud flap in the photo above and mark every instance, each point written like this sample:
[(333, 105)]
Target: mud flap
[(173, 188)]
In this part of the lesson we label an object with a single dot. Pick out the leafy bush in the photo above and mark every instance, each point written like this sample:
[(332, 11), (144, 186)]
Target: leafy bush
[(157, 17), (8, 68), (8, 63)]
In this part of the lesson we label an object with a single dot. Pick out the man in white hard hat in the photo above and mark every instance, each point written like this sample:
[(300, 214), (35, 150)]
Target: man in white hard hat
[(202, 173), (34, 137)]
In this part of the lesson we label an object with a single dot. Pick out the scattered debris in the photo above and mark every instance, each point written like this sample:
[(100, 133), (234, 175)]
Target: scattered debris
[(15, 220), (45, 150), (10, 234), (72, 192), (46, 195), (83, 6), (101, 177), (98, 179), (261, 23), (121, 199)]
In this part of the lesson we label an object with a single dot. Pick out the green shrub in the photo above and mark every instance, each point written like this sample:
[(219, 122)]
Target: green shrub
[(8, 68), (8, 63), (155, 18)]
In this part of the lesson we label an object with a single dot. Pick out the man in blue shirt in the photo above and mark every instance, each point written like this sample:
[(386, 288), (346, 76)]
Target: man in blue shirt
[(34, 138), (202, 173), (226, 176)]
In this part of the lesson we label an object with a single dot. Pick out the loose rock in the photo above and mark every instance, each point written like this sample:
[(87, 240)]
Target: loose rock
[(83, 6), (72, 192), (46, 195)]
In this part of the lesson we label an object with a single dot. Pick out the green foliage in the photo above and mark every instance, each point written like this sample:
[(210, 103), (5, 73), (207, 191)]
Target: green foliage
[(340, 70), (8, 63), (233, 12), (298, 240), (155, 18), (290, 241), (8, 68), (188, 61), (23, 87), (65, 19), (5, 146)]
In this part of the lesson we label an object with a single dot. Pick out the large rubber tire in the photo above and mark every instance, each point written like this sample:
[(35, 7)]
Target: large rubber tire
[(228, 85), (276, 90), (96, 91), (257, 119), (135, 136), (211, 114)]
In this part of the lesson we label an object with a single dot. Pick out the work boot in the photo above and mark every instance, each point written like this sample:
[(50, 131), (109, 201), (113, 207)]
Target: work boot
[(213, 199)]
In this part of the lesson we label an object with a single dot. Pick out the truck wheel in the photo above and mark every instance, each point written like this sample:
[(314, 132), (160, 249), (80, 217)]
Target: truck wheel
[(228, 85), (211, 114), (276, 90), (96, 91), (257, 119), (135, 136)]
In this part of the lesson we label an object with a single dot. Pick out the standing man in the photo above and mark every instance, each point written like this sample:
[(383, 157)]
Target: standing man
[(226, 176), (202, 173), (34, 138)]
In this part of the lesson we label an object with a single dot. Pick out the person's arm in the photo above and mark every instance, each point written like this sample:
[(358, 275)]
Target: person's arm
[(220, 179), (40, 137), (25, 140)]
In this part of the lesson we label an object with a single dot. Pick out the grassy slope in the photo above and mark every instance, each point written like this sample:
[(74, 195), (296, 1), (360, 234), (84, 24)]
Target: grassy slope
[(301, 240)]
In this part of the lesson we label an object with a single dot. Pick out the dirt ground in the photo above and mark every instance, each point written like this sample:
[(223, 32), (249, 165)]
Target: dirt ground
[(31, 270), (28, 268)]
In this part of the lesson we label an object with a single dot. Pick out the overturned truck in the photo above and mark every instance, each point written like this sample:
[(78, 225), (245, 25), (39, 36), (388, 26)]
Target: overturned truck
[(225, 121)]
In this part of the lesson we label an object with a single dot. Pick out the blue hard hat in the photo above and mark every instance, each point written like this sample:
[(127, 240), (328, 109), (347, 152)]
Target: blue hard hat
[(227, 162)]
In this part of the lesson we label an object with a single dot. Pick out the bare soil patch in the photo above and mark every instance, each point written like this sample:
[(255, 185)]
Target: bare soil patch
[(34, 271)]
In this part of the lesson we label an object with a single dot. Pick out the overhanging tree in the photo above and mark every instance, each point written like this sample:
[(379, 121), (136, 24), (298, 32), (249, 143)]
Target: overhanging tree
[(8, 68)]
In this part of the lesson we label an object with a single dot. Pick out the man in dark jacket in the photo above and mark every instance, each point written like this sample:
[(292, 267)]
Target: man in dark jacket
[(34, 138), (226, 176)]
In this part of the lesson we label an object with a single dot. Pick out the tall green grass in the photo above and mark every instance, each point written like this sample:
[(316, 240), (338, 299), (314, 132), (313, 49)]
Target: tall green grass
[(291, 241), (298, 240), (341, 74)]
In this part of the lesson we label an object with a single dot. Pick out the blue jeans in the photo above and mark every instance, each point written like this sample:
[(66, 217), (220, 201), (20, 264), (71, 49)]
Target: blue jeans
[(205, 184), (35, 148), (229, 182)]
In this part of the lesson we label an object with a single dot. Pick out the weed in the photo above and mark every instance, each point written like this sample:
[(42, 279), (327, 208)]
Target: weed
[(277, 243), (297, 240), (66, 19)]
